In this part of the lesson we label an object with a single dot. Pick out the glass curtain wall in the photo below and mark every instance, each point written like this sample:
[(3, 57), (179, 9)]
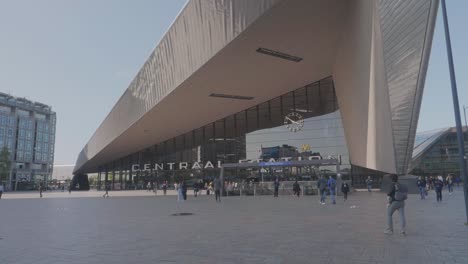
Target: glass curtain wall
[(259, 132)]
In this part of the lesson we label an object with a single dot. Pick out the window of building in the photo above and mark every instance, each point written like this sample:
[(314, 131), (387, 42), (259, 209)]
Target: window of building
[(19, 155), (22, 112), (28, 134), (20, 144), (12, 121), (5, 109), (10, 132), (28, 146), (46, 147), (2, 132), (46, 137), (3, 120)]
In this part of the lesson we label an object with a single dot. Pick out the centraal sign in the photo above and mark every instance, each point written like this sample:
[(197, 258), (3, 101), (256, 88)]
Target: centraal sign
[(204, 165)]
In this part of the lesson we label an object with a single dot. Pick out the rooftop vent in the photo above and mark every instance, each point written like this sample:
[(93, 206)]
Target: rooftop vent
[(279, 54), (230, 96)]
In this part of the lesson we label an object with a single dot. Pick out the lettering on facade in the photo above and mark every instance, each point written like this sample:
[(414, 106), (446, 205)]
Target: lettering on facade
[(207, 165)]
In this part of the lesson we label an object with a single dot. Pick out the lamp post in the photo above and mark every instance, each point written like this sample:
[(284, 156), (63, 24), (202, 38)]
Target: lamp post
[(461, 144)]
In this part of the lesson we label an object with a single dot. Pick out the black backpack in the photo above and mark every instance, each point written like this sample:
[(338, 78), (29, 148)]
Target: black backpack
[(401, 192)]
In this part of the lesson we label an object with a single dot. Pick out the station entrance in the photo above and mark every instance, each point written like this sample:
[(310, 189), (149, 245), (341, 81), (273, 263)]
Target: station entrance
[(257, 178)]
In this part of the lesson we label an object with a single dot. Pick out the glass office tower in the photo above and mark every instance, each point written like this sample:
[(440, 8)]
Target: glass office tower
[(27, 131)]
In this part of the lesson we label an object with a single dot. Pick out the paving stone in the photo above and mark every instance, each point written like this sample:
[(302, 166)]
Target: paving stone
[(138, 227)]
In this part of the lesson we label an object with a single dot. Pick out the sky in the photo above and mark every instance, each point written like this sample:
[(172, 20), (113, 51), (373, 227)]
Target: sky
[(80, 56)]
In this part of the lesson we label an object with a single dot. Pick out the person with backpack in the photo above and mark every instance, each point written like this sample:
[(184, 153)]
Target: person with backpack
[(345, 190), (107, 188), (322, 188), (332, 187), (422, 187), (438, 186), (396, 201)]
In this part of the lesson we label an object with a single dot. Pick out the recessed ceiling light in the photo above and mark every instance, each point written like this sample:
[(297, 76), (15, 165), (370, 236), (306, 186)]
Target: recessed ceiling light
[(279, 54)]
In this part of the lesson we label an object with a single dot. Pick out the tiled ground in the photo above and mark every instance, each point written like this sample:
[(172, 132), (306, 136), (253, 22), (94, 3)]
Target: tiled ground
[(238, 230)]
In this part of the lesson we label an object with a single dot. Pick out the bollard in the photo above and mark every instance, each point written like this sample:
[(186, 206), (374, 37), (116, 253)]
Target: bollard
[(255, 190)]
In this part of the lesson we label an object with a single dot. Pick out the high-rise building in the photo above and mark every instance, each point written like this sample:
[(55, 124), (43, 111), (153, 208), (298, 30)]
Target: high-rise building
[(27, 130)]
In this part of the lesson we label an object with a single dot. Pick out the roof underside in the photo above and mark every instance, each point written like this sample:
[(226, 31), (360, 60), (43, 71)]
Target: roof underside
[(211, 48)]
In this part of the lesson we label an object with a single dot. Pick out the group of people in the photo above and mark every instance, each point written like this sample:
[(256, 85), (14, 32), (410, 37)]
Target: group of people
[(325, 186), (436, 183)]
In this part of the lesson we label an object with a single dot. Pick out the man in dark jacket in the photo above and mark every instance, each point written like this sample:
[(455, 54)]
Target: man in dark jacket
[(276, 186), (217, 189), (322, 187), (422, 187), (438, 186), (296, 188), (184, 190), (345, 190), (393, 205)]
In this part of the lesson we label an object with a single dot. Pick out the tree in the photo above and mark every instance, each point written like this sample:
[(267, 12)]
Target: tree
[(5, 165)]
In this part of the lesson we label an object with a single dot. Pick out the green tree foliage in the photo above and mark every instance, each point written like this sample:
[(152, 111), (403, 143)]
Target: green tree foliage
[(5, 165)]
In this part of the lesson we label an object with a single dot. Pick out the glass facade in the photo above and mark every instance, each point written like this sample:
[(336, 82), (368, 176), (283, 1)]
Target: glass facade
[(27, 130), (440, 158), (262, 132)]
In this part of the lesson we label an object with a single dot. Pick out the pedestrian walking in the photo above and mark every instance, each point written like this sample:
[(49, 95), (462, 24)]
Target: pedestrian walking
[(180, 194), (217, 189), (106, 188), (422, 187), (396, 201), (431, 183), (369, 182), (345, 190), (438, 186), (164, 187), (41, 189), (276, 186), (69, 188), (450, 181), (296, 188), (1, 190), (195, 189), (458, 180), (332, 187), (183, 186), (322, 188)]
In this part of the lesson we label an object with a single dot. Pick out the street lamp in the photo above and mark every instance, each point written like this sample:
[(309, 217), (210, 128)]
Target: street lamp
[(461, 144)]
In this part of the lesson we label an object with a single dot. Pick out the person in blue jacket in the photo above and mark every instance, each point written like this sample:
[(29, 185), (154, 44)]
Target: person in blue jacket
[(422, 187)]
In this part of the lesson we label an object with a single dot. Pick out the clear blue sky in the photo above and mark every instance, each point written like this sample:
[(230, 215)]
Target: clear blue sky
[(79, 57)]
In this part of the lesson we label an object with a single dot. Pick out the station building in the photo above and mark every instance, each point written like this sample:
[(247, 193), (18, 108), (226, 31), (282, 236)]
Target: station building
[(295, 88)]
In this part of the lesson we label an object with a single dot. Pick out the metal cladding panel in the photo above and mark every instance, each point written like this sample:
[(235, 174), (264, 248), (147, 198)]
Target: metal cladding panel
[(407, 29), (202, 29)]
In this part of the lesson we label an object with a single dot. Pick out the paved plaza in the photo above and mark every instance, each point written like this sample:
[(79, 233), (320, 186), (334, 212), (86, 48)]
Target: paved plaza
[(129, 229)]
